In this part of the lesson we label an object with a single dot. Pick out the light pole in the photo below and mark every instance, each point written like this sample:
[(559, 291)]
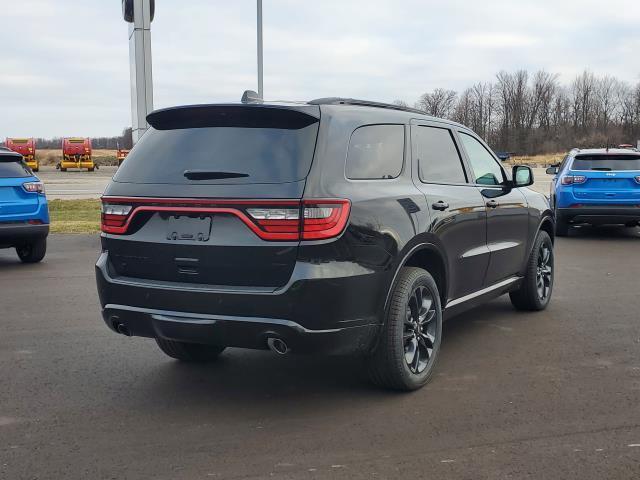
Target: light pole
[(260, 86), (139, 15)]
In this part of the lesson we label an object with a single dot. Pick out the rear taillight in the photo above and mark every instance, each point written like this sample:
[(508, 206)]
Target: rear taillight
[(275, 220), (320, 219), (573, 179), (33, 187), (115, 217)]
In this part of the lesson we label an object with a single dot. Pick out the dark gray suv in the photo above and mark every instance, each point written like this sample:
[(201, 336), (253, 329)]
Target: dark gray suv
[(333, 226)]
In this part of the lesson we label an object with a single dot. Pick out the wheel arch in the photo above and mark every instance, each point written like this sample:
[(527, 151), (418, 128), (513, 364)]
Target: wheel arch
[(547, 224), (430, 258)]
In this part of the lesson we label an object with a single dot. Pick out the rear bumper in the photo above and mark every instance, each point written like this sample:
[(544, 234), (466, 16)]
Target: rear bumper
[(13, 233), (600, 215), (337, 315), (229, 331)]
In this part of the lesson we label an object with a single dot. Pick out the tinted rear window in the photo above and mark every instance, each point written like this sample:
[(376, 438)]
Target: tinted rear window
[(606, 162), (14, 170), (438, 157), (375, 152), (214, 155)]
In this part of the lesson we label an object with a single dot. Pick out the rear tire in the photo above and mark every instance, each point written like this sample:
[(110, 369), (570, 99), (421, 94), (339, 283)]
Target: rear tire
[(91, 169), (63, 169), (32, 251), (537, 286), (409, 343), (189, 352)]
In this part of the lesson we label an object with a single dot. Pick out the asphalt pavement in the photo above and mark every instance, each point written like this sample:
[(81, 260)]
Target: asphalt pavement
[(554, 394)]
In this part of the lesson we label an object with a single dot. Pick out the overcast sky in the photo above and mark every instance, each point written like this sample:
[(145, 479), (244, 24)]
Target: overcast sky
[(64, 67)]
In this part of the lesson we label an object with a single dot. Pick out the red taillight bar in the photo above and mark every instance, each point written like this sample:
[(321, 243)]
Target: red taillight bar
[(300, 228)]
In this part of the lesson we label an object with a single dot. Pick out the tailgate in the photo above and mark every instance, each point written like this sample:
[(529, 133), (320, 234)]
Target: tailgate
[(191, 185), (609, 186)]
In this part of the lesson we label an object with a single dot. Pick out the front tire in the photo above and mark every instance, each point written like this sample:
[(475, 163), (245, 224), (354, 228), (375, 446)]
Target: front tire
[(189, 352), (32, 251), (409, 343), (537, 286)]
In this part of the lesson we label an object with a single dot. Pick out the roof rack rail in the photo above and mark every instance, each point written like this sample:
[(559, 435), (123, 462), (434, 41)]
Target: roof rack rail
[(363, 103)]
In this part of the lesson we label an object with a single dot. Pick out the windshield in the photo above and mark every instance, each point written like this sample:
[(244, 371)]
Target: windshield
[(220, 155), (606, 162)]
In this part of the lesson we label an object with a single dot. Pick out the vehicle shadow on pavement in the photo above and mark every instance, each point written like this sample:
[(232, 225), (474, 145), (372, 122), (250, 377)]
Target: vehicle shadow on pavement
[(608, 232), (242, 378)]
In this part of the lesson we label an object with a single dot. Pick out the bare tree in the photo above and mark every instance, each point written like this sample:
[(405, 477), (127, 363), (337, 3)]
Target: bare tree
[(439, 103)]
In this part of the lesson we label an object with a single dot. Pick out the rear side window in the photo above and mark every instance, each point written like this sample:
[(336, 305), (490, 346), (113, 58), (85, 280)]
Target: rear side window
[(213, 155), (438, 157), (375, 152), (14, 170), (606, 162)]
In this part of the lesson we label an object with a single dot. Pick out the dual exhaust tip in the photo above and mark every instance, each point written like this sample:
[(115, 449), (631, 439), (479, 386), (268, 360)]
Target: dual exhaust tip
[(277, 345)]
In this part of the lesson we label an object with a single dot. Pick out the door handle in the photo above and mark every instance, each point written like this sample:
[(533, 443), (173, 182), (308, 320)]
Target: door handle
[(440, 205), (492, 204)]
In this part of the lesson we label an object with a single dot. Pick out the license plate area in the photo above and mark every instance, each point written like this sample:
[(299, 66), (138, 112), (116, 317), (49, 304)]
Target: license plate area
[(188, 228)]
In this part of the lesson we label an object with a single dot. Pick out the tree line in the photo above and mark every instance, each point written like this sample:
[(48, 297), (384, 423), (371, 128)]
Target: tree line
[(532, 114), (108, 143)]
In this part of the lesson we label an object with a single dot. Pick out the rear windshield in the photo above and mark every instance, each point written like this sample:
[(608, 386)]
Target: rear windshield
[(14, 170), (606, 162), (214, 155)]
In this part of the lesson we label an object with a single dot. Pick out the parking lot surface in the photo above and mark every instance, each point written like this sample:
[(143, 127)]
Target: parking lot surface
[(554, 394), (75, 184)]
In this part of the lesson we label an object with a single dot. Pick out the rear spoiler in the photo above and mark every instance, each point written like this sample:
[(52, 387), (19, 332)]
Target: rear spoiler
[(234, 115), (9, 156)]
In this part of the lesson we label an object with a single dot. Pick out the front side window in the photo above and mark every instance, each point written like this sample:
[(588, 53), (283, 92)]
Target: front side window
[(485, 168), (438, 157), (375, 152)]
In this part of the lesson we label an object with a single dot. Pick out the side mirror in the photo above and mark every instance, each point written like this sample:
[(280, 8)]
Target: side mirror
[(522, 176), (552, 170)]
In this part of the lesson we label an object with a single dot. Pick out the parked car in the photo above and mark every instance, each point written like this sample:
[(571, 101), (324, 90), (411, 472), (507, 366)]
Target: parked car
[(335, 226), (24, 214), (503, 156), (597, 187)]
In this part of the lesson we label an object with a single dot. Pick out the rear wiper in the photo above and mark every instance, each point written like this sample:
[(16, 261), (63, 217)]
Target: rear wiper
[(211, 175), (601, 169)]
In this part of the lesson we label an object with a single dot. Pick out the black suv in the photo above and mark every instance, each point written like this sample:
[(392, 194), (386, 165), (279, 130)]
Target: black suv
[(334, 226)]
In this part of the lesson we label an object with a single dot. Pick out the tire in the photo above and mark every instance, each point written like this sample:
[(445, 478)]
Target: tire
[(536, 289), (91, 169), (392, 365), (36, 169), (63, 169), (189, 352), (32, 251), (562, 228)]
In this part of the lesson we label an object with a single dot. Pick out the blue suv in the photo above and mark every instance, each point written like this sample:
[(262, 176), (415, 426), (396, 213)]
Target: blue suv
[(24, 214), (597, 187)]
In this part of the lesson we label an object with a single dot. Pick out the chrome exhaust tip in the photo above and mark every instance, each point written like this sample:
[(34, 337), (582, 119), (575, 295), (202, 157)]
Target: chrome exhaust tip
[(277, 345)]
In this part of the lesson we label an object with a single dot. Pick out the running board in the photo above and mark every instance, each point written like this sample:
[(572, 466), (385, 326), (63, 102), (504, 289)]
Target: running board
[(479, 293)]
